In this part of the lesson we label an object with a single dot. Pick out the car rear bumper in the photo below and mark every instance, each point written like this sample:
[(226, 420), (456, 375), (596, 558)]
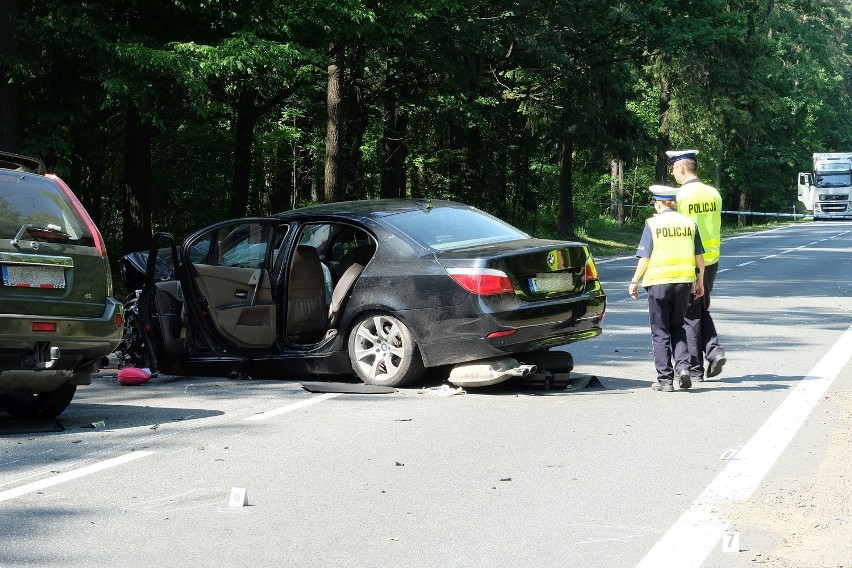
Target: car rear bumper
[(81, 341), (461, 335)]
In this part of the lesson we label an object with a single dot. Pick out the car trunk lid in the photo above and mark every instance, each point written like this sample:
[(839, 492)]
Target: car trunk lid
[(536, 268), (62, 281)]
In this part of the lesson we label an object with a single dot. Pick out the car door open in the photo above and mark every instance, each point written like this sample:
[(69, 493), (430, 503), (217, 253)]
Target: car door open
[(232, 276)]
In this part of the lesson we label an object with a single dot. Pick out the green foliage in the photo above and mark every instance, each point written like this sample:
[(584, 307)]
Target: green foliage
[(479, 98)]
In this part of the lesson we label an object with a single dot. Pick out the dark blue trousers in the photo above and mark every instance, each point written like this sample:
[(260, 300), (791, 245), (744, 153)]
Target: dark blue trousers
[(667, 305), (701, 336)]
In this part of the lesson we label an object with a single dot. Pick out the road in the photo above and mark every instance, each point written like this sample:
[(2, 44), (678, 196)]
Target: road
[(499, 477)]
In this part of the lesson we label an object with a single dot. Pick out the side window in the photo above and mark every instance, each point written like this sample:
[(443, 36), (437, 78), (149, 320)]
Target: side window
[(245, 245)]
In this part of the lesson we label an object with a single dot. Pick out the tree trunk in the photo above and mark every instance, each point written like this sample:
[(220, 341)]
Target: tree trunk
[(394, 150), (356, 125), (741, 219), (502, 183), (616, 197), (565, 203), (10, 110), (136, 227), (302, 173), (281, 180), (663, 140), (474, 183), (243, 142), (613, 187), (334, 126), (620, 196), (455, 172)]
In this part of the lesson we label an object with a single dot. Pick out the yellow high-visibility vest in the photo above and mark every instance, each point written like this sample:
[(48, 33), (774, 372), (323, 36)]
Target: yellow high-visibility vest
[(673, 254), (703, 204)]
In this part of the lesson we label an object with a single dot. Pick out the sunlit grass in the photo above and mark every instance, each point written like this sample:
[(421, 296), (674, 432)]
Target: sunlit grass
[(606, 239)]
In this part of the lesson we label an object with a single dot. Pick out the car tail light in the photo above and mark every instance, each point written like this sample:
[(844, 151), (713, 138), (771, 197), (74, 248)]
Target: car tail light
[(44, 326), (96, 235), (119, 321), (482, 281), (503, 333), (591, 272)]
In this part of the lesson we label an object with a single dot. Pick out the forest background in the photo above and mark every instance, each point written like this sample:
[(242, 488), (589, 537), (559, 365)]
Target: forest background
[(553, 115)]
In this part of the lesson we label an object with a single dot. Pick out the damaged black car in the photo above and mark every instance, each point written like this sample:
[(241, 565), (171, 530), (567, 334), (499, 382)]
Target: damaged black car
[(382, 289)]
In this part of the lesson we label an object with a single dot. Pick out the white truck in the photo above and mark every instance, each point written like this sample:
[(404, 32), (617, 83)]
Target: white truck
[(825, 191)]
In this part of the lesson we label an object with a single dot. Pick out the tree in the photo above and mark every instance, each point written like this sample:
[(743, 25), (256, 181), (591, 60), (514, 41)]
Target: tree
[(10, 112)]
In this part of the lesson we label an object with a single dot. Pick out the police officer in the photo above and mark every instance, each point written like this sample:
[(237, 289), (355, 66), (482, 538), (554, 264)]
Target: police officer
[(669, 252), (703, 204)]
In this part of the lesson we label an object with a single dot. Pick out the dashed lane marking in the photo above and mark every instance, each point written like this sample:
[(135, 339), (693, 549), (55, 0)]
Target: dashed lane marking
[(291, 407), (70, 475)]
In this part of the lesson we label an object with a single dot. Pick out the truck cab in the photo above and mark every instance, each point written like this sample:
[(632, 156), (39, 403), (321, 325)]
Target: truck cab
[(826, 190)]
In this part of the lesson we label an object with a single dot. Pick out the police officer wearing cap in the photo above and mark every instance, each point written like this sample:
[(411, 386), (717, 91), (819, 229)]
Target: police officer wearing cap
[(703, 204), (670, 254)]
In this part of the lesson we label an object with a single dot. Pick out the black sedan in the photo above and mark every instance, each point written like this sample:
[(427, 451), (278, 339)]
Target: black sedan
[(384, 288)]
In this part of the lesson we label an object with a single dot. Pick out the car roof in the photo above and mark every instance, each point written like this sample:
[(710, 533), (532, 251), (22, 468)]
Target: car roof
[(370, 208), (18, 163)]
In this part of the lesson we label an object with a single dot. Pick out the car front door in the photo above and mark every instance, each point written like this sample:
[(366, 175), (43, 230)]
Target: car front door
[(229, 266)]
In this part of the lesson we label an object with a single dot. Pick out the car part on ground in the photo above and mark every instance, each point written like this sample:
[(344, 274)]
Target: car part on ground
[(488, 372), (58, 318)]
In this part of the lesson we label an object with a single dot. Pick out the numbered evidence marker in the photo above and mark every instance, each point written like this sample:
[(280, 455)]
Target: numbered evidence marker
[(731, 541), (239, 497)]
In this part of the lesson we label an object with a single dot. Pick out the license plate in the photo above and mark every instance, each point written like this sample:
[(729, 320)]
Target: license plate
[(34, 276), (551, 282)]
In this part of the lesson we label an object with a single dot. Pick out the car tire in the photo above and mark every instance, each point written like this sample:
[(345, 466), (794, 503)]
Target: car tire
[(553, 361), (383, 352), (38, 405), (557, 362)]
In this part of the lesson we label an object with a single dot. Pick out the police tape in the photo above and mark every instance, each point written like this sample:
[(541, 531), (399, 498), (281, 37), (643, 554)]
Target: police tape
[(756, 213), (759, 213)]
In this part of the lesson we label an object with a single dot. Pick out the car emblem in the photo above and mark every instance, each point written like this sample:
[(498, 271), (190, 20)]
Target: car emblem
[(34, 245), (550, 259)]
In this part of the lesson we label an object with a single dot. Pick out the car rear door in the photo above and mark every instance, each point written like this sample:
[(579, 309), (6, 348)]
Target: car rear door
[(229, 266)]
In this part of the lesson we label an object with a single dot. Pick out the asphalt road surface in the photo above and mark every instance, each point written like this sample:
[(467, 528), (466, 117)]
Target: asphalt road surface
[(622, 476)]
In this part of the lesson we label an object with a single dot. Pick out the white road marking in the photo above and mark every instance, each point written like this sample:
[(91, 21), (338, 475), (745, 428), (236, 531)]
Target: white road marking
[(70, 475), (747, 263), (292, 407), (688, 542), (39, 473)]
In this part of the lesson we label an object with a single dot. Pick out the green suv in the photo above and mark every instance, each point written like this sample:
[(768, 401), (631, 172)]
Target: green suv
[(58, 319)]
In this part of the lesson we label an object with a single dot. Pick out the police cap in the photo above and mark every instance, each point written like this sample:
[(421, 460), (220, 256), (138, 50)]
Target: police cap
[(675, 155), (663, 192)]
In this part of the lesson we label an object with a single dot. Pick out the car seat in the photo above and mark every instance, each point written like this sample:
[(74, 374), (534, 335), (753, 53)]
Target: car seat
[(306, 308)]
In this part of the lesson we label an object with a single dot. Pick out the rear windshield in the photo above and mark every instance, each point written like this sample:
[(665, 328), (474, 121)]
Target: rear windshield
[(34, 200), (445, 228)]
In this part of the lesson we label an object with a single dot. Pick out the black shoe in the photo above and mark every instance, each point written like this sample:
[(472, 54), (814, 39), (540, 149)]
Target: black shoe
[(685, 381), (663, 387), (714, 367)]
